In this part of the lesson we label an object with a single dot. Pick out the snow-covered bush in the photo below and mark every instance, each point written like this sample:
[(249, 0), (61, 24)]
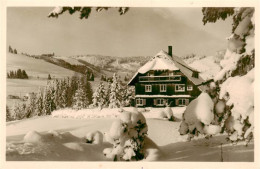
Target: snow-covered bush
[(166, 114), (198, 116), (239, 95), (128, 136), (95, 137)]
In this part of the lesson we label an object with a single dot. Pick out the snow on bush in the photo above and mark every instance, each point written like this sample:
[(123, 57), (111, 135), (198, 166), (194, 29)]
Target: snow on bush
[(95, 137), (238, 92), (128, 134), (234, 101), (166, 114), (198, 117)]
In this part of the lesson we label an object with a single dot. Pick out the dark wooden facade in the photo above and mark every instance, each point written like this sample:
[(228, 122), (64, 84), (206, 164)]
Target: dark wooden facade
[(171, 88)]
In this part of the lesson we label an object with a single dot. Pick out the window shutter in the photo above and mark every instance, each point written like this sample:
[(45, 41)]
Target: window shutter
[(144, 102), (186, 102), (154, 102), (176, 102)]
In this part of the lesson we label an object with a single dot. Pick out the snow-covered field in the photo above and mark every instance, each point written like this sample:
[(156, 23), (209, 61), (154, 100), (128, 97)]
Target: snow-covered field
[(62, 139)]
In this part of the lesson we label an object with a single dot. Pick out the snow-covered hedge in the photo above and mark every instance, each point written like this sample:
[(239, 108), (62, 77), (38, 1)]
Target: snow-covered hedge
[(169, 113), (129, 138)]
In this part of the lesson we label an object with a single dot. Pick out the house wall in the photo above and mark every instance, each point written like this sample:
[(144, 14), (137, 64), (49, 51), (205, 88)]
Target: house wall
[(170, 88)]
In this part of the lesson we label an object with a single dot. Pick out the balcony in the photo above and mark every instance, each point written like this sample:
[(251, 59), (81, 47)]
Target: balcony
[(174, 78)]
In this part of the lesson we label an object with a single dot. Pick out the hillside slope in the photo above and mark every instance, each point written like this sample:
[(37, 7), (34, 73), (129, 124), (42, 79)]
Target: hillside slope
[(207, 66), (35, 67)]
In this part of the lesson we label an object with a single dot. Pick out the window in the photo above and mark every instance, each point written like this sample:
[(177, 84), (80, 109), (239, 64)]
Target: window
[(175, 78), (149, 74), (182, 102), (180, 88), (162, 87), (140, 102), (189, 88), (160, 102), (148, 88), (195, 74), (171, 73)]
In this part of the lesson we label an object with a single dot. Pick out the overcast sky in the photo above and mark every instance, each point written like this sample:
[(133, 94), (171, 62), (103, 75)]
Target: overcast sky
[(140, 32)]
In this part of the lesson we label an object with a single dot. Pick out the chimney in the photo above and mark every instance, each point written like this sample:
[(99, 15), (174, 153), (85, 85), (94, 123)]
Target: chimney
[(170, 50)]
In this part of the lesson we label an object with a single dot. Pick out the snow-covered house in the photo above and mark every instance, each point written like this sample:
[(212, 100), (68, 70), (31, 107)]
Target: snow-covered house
[(166, 80)]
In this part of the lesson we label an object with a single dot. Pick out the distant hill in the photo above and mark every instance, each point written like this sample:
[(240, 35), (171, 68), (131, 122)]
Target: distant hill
[(36, 67)]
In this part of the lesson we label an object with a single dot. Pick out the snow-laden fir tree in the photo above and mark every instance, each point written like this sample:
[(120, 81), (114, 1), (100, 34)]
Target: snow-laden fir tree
[(64, 93), (19, 111), (8, 114), (80, 100), (39, 102), (49, 99), (127, 95), (115, 97), (232, 92), (57, 94), (31, 106), (99, 96), (87, 88)]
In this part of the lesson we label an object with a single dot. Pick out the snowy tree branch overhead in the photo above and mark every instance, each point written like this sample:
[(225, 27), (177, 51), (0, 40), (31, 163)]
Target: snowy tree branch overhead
[(84, 11)]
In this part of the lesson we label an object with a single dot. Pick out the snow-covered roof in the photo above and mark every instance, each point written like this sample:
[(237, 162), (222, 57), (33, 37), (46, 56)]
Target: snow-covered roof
[(163, 61)]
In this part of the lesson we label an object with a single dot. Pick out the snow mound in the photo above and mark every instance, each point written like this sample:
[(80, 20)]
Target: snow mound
[(33, 137), (212, 129), (95, 137), (74, 146)]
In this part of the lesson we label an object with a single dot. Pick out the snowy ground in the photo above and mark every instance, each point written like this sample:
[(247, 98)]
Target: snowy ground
[(70, 145)]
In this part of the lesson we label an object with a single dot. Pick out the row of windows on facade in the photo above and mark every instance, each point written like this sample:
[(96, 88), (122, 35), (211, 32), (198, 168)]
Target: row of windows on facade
[(163, 88), (162, 102), (167, 73)]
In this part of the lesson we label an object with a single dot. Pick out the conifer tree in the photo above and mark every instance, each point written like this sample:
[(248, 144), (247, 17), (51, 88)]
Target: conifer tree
[(127, 95), (87, 89), (48, 100), (24, 75), (49, 77), (64, 94), (10, 50), (39, 102), (80, 100), (8, 114), (115, 93), (99, 96), (57, 94), (19, 111), (31, 106)]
